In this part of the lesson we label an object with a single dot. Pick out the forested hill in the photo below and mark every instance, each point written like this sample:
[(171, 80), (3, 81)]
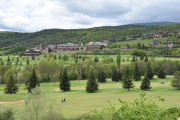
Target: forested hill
[(155, 23), (57, 36)]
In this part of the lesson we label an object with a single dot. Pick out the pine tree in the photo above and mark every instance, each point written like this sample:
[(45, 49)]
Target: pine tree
[(161, 74), (150, 74), (146, 59), (143, 46), (96, 59), (179, 68), (142, 57), (99, 77), (102, 77), (92, 85), (59, 57), (38, 58), (137, 74), (7, 59), (118, 60), (27, 62), (139, 46), (17, 59), (133, 59), (76, 61), (127, 80), (55, 57), (32, 82), (119, 75), (115, 76), (11, 87), (65, 82), (145, 84), (32, 57)]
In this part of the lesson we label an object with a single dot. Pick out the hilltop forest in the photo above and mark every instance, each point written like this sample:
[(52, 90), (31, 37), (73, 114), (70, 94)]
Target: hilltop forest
[(10, 40)]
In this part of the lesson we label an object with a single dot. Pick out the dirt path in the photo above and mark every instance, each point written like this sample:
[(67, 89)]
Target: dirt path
[(11, 101)]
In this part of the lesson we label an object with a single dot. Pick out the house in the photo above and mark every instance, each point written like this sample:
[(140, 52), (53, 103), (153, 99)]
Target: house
[(172, 43), (68, 46), (156, 42), (105, 42), (33, 51), (93, 45)]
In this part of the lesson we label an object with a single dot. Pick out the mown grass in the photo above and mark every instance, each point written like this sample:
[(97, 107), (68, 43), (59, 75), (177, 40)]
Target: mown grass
[(79, 102)]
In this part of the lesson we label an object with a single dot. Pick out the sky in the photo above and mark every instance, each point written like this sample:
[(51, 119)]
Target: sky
[(36, 15)]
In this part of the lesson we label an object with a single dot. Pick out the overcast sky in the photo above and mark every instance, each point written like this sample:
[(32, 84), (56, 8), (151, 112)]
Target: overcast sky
[(35, 15)]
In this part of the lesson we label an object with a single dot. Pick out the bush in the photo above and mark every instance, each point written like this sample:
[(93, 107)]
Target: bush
[(6, 113), (138, 52)]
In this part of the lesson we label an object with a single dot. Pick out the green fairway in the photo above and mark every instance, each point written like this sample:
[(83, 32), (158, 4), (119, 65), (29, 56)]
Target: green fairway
[(79, 102)]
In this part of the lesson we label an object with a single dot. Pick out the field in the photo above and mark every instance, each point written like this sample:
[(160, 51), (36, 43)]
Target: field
[(146, 42), (79, 102), (72, 60)]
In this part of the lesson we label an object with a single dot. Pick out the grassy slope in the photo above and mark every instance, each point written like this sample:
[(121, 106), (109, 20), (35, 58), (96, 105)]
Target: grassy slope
[(79, 102)]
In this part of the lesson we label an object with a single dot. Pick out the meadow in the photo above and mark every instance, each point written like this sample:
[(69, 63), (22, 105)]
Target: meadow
[(79, 102)]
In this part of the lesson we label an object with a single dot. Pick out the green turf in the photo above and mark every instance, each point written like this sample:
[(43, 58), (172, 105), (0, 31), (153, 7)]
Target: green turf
[(79, 102)]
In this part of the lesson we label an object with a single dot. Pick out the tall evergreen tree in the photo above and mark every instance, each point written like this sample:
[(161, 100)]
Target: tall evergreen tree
[(115, 76), (92, 85), (17, 59), (143, 46), (7, 59), (27, 62), (150, 74), (142, 57), (179, 68), (102, 77), (161, 74), (55, 57), (118, 60), (59, 57), (96, 59), (146, 59), (65, 82), (99, 77), (119, 75), (32, 57), (127, 80), (33, 81), (11, 87), (139, 46), (137, 74), (145, 84), (133, 59)]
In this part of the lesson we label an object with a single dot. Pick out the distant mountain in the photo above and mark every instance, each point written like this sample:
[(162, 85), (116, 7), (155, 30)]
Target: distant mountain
[(156, 23), (6, 31)]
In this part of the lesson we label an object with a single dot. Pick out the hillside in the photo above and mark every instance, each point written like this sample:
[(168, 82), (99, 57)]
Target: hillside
[(58, 36), (156, 23)]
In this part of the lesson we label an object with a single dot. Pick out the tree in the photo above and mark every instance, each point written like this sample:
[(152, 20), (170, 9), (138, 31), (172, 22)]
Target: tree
[(65, 83), (3, 70), (8, 73), (32, 81), (145, 84), (146, 59), (27, 63), (150, 74), (176, 82), (45, 56), (55, 57), (96, 59), (133, 60), (17, 59), (115, 76), (92, 85), (139, 46), (83, 58), (119, 75), (7, 59), (142, 57), (65, 58), (49, 50), (143, 47), (32, 57), (161, 74), (59, 57), (179, 68), (118, 60), (101, 76), (127, 80), (11, 87), (137, 74)]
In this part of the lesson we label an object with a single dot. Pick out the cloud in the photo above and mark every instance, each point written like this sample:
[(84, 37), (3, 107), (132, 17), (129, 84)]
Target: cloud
[(35, 15)]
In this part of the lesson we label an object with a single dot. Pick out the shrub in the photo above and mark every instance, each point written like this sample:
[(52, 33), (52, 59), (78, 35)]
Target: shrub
[(6, 113)]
